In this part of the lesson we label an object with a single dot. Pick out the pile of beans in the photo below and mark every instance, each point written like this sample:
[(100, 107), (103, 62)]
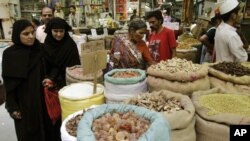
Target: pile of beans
[(119, 127)]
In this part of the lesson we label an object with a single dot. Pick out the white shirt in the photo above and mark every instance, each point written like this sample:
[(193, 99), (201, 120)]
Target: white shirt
[(74, 20), (40, 34), (228, 45), (59, 14)]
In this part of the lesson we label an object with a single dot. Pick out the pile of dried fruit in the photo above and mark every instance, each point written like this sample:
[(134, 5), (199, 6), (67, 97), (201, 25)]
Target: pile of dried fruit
[(71, 125), (119, 127), (159, 103), (125, 74), (232, 68), (176, 65)]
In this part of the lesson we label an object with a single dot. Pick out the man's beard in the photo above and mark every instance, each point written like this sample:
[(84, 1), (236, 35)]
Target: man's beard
[(152, 28)]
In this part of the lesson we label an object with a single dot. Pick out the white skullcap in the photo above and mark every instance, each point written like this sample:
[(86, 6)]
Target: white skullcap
[(228, 5)]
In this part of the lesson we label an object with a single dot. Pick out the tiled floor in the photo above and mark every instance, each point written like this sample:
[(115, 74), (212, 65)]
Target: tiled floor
[(7, 130)]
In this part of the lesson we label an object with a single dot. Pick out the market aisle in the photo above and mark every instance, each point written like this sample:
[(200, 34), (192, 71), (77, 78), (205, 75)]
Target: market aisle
[(7, 130)]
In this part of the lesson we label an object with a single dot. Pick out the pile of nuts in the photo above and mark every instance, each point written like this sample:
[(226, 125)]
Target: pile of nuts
[(175, 65), (159, 103), (125, 74), (71, 125), (232, 68), (119, 127)]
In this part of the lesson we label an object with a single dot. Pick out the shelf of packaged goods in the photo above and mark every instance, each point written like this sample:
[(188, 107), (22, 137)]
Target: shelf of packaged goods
[(30, 11), (95, 4)]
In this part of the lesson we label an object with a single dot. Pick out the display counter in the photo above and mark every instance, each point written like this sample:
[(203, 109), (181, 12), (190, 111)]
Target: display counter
[(99, 31)]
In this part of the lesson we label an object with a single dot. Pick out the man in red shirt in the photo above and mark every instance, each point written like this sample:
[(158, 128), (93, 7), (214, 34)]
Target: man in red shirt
[(162, 42)]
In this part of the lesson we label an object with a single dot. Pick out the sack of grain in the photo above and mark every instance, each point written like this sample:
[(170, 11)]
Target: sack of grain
[(70, 123), (65, 135), (125, 76), (158, 128), (231, 71), (234, 110), (178, 69), (229, 86), (74, 74), (77, 96), (210, 131), (156, 84), (188, 54), (185, 134), (118, 93)]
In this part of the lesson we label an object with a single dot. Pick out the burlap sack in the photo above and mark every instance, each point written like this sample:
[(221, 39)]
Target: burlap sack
[(94, 38), (177, 119), (186, 134), (210, 131), (181, 76), (187, 88), (244, 80), (228, 86), (108, 41), (77, 76), (188, 54), (225, 118)]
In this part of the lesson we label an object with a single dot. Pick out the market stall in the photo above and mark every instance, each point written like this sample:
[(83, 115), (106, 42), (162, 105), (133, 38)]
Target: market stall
[(177, 99)]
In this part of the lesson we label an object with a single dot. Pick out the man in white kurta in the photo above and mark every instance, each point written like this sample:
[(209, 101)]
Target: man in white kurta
[(228, 44), (46, 16)]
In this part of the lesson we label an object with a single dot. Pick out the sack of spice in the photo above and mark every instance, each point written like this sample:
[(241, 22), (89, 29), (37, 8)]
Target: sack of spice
[(217, 109), (228, 86), (187, 88), (177, 108), (231, 71)]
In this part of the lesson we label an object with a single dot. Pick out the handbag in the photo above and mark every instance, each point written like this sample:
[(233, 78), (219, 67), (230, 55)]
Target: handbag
[(52, 104)]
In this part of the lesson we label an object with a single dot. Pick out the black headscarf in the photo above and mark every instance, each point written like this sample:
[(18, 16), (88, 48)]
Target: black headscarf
[(57, 23), (59, 54), (18, 27), (16, 59)]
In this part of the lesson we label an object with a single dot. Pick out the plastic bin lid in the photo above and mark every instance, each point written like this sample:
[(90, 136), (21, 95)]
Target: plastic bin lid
[(77, 91)]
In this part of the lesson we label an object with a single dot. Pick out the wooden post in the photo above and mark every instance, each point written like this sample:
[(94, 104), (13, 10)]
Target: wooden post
[(95, 74)]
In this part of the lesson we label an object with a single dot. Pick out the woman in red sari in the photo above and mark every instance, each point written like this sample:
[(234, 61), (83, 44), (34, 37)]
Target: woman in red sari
[(130, 51)]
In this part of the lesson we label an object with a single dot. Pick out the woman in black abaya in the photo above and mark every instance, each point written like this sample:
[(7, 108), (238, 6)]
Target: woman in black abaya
[(60, 52), (23, 73)]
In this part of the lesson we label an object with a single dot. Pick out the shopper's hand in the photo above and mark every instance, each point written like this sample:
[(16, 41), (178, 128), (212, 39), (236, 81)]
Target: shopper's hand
[(16, 115), (48, 83)]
